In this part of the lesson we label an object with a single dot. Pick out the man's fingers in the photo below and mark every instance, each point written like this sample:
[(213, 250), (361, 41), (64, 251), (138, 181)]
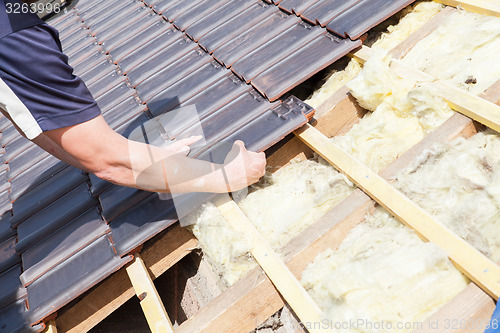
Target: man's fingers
[(188, 141), (182, 146)]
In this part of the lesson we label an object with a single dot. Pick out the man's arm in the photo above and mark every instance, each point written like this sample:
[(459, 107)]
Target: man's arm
[(93, 146)]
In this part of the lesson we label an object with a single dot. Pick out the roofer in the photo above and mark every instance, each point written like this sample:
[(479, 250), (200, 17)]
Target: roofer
[(54, 109)]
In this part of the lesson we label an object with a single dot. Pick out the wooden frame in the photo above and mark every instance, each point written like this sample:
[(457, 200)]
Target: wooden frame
[(254, 298), (488, 7)]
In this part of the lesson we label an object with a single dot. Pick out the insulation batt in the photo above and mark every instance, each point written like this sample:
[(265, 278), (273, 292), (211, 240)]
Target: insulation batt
[(460, 185), (281, 206), (463, 51), (402, 114), (382, 271), (413, 18)]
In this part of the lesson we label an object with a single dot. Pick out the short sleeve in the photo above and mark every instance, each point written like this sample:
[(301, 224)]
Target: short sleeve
[(37, 86)]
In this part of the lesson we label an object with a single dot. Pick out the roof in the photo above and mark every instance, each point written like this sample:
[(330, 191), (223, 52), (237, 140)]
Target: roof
[(63, 231)]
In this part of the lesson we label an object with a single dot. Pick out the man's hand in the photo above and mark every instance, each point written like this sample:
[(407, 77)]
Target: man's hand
[(242, 167)]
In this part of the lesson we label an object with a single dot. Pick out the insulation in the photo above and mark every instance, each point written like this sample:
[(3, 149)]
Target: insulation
[(281, 206), (462, 51), (414, 17), (402, 114), (459, 184), (382, 272)]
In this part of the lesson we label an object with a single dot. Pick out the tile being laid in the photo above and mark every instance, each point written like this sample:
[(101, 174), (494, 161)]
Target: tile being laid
[(275, 50), (298, 67), (262, 32), (236, 26), (71, 278), (13, 318), (61, 245), (172, 73), (326, 10), (233, 115), (217, 17), (271, 126), (360, 18), (11, 290), (53, 217), (36, 198)]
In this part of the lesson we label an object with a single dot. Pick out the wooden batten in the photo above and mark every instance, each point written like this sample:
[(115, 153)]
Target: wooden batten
[(276, 270), (487, 7), (150, 301)]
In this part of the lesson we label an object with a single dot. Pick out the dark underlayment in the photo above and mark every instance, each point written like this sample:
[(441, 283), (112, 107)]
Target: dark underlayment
[(63, 231)]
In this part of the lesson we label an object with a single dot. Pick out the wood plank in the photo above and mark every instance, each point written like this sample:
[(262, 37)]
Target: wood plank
[(150, 301), (487, 7), (158, 255), (468, 312), (472, 106), (401, 50), (471, 262), (492, 94), (285, 282)]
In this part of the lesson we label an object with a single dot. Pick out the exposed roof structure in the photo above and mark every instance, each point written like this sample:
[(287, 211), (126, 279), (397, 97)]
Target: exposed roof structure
[(63, 231)]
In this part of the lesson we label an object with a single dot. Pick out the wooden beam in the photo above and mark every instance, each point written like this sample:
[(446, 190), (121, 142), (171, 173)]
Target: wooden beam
[(151, 303), (487, 7), (471, 262), (285, 282), (468, 312), (158, 255), (472, 106)]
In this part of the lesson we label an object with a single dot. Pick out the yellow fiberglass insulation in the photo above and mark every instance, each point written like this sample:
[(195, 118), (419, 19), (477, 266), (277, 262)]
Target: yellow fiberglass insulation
[(382, 271), (413, 18), (460, 185), (281, 206), (462, 51), (402, 114), (464, 48)]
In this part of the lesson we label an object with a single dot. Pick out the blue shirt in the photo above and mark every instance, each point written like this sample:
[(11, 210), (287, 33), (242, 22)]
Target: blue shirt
[(38, 90), (10, 21)]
